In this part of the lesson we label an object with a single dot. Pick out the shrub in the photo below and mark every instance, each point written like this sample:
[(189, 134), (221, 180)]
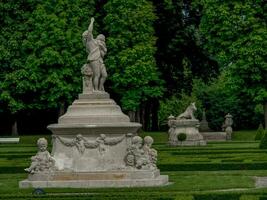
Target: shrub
[(181, 137), (263, 143), (260, 132)]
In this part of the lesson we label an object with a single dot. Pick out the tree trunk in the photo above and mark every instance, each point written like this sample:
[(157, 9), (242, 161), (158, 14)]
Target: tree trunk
[(154, 115), (15, 128), (61, 109), (138, 115), (265, 114), (147, 110)]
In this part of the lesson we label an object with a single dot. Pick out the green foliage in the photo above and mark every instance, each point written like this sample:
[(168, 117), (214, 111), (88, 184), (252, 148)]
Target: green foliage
[(263, 142), (181, 137), (42, 52), (179, 56), (217, 197), (235, 34), (260, 132), (182, 197), (220, 97), (130, 60)]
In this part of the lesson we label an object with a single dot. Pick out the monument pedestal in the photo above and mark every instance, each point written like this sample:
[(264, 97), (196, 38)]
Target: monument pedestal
[(97, 179), (190, 128), (95, 145)]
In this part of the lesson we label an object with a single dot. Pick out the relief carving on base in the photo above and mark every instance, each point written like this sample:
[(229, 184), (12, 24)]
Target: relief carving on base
[(139, 155), (81, 143)]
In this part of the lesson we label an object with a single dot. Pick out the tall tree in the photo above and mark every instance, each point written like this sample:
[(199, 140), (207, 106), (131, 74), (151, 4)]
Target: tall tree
[(235, 33), (179, 56), (131, 49), (13, 16), (42, 52)]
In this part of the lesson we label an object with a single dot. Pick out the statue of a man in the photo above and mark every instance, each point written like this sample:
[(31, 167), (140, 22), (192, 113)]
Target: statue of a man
[(96, 49)]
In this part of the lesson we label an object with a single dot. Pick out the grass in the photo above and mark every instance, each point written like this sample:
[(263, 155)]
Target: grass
[(211, 172)]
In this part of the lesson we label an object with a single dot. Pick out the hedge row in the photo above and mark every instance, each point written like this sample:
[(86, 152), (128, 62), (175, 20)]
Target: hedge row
[(145, 197), (215, 152), (177, 167), (213, 166)]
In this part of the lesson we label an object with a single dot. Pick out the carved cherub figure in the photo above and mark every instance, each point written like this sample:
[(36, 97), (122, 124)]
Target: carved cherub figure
[(150, 152), (136, 156), (42, 161)]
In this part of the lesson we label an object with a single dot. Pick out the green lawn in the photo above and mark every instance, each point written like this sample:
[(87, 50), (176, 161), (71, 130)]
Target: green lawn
[(220, 170)]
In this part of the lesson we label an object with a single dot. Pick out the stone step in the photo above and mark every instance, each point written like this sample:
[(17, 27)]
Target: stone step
[(94, 110), (92, 119), (96, 175), (94, 102), (9, 140), (214, 136), (261, 182), (158, 181)]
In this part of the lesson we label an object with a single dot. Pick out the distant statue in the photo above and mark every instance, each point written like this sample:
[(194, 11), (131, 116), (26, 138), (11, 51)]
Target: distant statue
[(204, 125), (228, 126), (96, 49), (189, 112), (42, 161)]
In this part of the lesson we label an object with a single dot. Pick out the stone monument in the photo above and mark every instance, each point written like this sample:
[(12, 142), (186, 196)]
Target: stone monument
[(188, 124), (204, 125), (227, 126), (94, 143)]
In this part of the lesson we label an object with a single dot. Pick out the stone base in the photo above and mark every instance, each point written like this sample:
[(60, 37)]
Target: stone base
[(131, 178), (261, 182), (190, 143), (190, 128), (214, 136)]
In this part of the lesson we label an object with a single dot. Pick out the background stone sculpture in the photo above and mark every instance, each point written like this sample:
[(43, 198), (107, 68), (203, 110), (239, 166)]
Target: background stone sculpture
[(189, 112), (228, 126), (185, 123)]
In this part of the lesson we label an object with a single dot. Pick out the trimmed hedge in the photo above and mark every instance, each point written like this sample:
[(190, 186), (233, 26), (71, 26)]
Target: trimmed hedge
[(213, 166), (263, 143), (260, 132), (217, 197)]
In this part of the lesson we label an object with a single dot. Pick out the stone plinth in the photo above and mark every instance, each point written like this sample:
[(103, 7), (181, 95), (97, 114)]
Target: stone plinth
[(214, 136), (95, 145), (119, 178), (187, 126)]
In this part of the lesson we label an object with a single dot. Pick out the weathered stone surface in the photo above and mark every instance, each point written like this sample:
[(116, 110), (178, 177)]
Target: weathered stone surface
[(190, 128), (94, 143), (9, 140), (185, 123), (227, 126), (204, 125), (214, 136), (42, 162), (189, 112), (93, 153), (107, 183), (94, 72), (261, 182)]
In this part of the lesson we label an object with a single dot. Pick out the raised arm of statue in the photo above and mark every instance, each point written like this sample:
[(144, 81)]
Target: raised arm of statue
[(90, 29)]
